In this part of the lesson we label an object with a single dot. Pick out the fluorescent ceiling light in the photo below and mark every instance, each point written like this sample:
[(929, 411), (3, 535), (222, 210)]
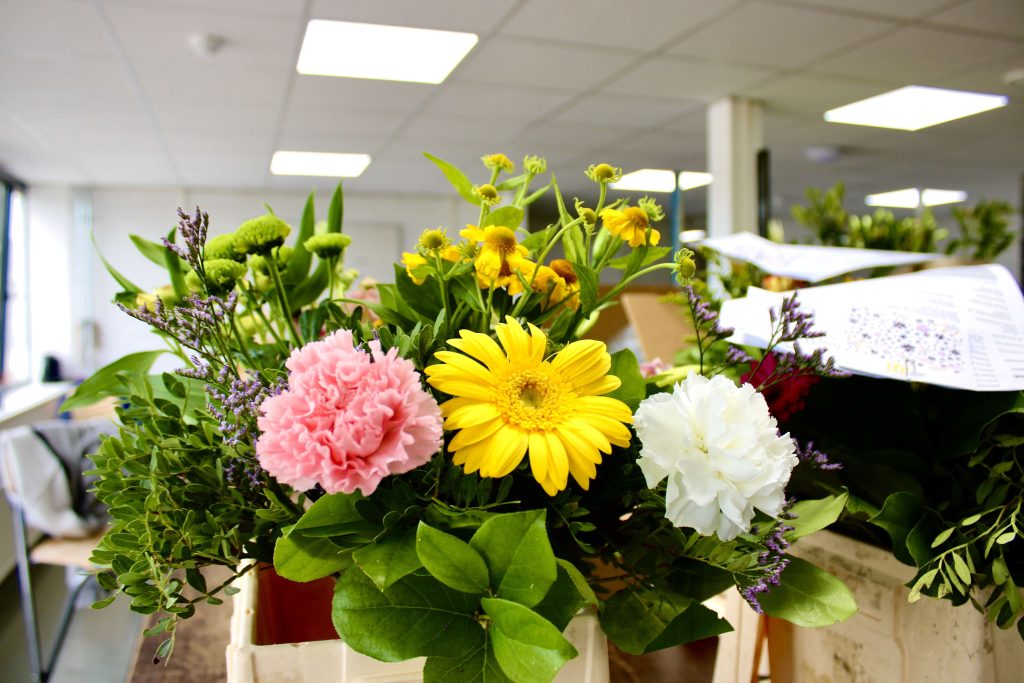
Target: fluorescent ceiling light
[(688, 180), (319, 164), (912, 198), (660, 180), (938, 197), (388, 53), (647, 180), (914, 107)]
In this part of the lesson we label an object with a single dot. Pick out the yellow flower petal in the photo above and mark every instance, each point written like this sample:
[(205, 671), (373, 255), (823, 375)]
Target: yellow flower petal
[(481, 347), (471, 435), (464, 364)]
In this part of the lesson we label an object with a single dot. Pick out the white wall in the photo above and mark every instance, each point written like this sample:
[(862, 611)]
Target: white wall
[(71, 287)]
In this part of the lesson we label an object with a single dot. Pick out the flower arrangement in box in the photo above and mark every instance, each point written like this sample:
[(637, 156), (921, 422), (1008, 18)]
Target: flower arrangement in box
[(470, 469)]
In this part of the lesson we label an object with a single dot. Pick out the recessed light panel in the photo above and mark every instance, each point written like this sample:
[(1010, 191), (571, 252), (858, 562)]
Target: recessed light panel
[(647, 180), (388, 53), (319, 164), (661, 180), (689, 180), (912, 198), (914, 107)]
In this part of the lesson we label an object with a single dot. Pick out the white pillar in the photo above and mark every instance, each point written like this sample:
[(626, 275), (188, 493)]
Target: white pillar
[(734, 138)]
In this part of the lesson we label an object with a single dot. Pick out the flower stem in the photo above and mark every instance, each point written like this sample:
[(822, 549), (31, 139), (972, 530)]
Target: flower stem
[(282, 301)]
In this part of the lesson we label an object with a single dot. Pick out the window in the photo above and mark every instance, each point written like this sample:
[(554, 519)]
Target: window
[(15, 365)]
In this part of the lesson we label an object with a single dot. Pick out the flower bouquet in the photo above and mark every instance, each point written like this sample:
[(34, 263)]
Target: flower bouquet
[(470, 470)]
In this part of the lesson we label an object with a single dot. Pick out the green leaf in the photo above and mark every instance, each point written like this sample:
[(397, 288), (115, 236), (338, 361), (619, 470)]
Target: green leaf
[(535, 241), (336, 210), (100, 604), (633, 260), (457, 178), (479, 666), (127, 284), (509, 216), (942, 537), (298, 267), (416, 617), (808, 596), (105, 381), (390, 557), (568, 594), (518, 555), (451, 560), (900, 512), (535, 195), (300, 558), (423, 300), (633, 389), (814, 515), (587, 278), (154, 251), (641, 620), (527, 646), (962, 570), (307, 291), (335, 514)]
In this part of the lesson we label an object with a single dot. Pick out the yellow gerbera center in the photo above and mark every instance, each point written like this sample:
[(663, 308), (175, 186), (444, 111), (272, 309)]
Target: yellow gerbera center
[(531, 400)]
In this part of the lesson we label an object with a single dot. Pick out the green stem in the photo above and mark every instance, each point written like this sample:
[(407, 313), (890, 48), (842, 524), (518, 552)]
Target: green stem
[(242, 345), (282, 300)]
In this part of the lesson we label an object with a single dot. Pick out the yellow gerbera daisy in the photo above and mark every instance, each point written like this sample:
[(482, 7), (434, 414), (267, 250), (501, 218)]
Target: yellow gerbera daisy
[(512, 401), (631, 225)]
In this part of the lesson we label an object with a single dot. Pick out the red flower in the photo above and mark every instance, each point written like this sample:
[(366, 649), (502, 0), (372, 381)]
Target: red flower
[(785, 397)]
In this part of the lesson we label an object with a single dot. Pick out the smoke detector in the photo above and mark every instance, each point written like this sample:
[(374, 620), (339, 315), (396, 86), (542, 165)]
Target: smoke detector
[(1014, 77), (206, 45)]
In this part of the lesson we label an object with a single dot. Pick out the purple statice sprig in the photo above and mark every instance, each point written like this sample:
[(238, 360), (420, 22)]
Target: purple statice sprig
[(235, 404), (771, 561), (791, 324), (812, 457), (705, 322), (193, 230)]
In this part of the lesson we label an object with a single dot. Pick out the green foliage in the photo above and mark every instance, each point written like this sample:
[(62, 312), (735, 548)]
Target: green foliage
[(642, 619), (984, 230), (809, 597), (111, 380)]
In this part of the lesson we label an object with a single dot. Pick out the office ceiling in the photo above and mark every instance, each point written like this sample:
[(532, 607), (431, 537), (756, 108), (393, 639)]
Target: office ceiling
[(108, 92)]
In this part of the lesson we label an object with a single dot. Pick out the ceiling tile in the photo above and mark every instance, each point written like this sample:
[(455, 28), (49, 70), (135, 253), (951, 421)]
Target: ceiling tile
[(495, 102), (202, 119), (777, 35), (59, 80), (684, 79), (161, 33), (286, 8), (642, 25), (1003, 17), (212, 84), (571, 135), (53, 27), (333, 141), (511, 61), (351, 120), (810, 94), (903, 9), (627, 112), (989, 78), (914, 55), (359, 94), (447, 15)]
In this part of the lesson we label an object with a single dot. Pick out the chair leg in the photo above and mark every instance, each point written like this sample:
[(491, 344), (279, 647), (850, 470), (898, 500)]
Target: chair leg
[(65, 621), (28, 605)]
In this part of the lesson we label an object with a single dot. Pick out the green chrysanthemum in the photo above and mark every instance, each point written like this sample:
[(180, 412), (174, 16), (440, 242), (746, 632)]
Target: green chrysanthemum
[(222, 274), (328, 245), (260, 235), (222, 247)]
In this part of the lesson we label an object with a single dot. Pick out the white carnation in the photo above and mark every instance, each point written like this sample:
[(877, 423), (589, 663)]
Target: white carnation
[(721, 451)]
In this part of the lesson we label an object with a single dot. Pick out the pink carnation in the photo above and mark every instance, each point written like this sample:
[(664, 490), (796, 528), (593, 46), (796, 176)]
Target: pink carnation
[(348, 419)]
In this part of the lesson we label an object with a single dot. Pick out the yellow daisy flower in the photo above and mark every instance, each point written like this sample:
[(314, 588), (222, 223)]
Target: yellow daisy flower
[(500, 254), (411, 262), (631, 225), (509, 401), (565, 271)]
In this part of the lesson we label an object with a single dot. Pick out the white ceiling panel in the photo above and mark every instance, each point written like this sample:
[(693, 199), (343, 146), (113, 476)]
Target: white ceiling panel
[(512, 61), (814, 95), (777, 35), (496, 102), (214, 84), (345, 93), (339, 140), (284, 8), (627, 112), (52, 27), (896, 9), (351, 120), (638, 25), (472, 16), (914, 55), (188, 117), (159, 32), (999, 17), (685, 79), (60, 80)]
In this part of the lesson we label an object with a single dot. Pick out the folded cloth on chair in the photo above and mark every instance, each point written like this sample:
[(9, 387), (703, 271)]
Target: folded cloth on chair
[(41, 467)]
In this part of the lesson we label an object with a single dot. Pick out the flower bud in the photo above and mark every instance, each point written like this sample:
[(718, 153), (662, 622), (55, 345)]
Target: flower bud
[(488, 194), (686, 267), (328, 245), (433, 240), (651, 208), (604, 173), (535, 165), (498, 161), (222, 274)]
